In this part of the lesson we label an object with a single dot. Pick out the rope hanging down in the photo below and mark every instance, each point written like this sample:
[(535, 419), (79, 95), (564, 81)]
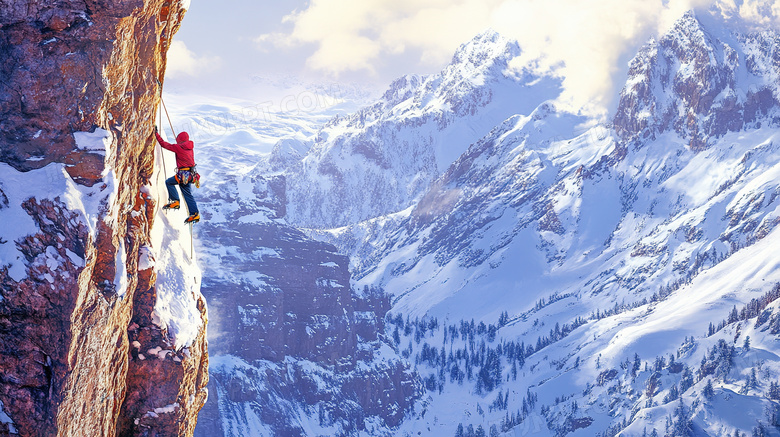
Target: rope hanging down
[(162, 155), (166, 114)]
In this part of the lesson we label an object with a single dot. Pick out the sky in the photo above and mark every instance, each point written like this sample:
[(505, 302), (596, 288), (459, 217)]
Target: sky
[(251, 50)]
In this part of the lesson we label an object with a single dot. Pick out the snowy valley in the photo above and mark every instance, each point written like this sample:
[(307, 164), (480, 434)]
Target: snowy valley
[(467, 256)]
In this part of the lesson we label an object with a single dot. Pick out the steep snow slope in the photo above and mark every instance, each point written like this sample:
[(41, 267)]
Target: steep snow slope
[(603, 374)]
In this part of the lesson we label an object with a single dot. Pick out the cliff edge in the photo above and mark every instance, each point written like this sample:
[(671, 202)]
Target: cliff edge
[(89, 344)]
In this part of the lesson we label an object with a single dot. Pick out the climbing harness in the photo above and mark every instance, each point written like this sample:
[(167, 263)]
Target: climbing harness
[(187, 175)]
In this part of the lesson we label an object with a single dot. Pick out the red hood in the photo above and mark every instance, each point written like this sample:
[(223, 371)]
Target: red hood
[(183, 139)]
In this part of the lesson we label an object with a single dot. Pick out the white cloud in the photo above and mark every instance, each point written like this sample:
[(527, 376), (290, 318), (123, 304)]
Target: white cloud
[(585, 42), (183, 62)]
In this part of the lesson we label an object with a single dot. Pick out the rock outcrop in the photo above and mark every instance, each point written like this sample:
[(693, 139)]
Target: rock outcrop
[(77, 101)]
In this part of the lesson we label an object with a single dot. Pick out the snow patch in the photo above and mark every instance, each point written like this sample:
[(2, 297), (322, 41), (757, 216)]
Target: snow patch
[(121, 276), (98, 141), (145, 258), (49, 182), (4, 418), (168, 409)]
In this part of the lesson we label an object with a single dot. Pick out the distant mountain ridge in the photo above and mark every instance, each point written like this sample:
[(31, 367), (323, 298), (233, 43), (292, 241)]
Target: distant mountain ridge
[(382, 158)]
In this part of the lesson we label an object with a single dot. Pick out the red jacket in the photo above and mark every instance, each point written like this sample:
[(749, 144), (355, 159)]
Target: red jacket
[(182, 148)]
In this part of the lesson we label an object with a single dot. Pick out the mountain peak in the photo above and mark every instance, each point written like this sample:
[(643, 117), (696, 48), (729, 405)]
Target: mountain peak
[(487, 47), (687, 31), (700, 80)]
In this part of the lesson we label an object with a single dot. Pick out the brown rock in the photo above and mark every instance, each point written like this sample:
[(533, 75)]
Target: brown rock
[(66, 363)]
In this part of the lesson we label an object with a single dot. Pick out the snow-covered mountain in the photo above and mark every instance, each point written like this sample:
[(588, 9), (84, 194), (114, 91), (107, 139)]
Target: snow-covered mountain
[(627, 238), (701, 83), (535, 182), (547, 273), (381, 159)]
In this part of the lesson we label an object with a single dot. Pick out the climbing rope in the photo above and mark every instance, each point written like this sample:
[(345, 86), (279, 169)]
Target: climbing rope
[(162, 154), (173, 132)]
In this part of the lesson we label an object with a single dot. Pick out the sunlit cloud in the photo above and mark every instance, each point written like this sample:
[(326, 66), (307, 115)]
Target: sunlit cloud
[(183, 62), (586, 43)]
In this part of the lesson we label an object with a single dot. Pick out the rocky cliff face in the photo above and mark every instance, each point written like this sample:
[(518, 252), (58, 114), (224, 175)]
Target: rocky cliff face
[(77, 101), (288, 331)]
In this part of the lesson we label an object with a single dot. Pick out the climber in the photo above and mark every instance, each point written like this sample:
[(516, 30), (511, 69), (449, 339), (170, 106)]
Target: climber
[(185, 174)]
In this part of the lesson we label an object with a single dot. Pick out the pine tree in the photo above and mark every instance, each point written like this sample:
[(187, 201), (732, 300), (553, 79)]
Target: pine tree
[(490, 374), (459, 431), (660, 363), (637, 365), (503, 319), (681, 425), (480, 432), (672, 395), (772, 413), (774, 391), (686, 379), (734, 315), (746, 344), (708, 391)]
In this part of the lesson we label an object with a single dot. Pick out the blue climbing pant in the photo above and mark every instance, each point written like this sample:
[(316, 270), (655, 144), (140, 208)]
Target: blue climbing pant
[(186, 191)]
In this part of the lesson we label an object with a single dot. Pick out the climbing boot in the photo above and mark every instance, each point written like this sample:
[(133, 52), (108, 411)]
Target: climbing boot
[(173, 204), (194, 218)]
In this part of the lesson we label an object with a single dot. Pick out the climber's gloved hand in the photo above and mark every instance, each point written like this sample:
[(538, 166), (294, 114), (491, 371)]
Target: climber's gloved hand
[(155, 128)]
